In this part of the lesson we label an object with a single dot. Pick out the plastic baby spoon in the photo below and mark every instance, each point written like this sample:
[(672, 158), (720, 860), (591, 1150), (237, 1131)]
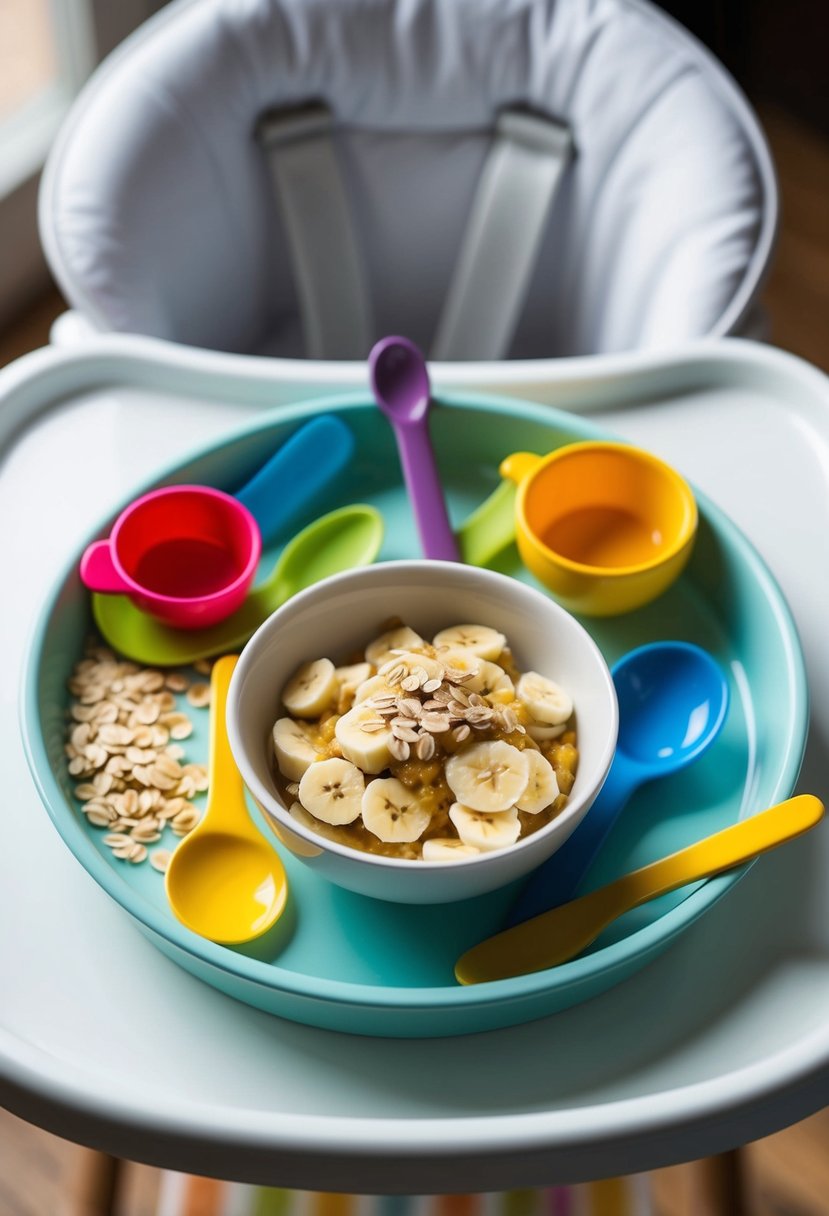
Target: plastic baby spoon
[(400, 383), (559, 935), (341, 540), (224, 880), (673, 699), (296, 474)]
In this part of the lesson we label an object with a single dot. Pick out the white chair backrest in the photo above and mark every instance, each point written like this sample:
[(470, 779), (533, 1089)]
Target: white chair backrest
[(158, 214)]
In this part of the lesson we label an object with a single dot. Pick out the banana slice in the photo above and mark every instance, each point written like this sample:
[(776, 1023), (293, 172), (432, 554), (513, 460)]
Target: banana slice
[(364, 738), (461, 665), (332, 790), (441, 848), (311, 689), (547, 701), (485, 830), (491, 680), (292, 748), (392, 812), (541, 733), (351, 677), (298, 812), (488, 776), (542, 787), (373, 686), (486, 643), (402, 638)]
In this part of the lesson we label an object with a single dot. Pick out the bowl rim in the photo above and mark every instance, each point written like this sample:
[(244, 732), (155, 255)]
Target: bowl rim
[(282, 815)]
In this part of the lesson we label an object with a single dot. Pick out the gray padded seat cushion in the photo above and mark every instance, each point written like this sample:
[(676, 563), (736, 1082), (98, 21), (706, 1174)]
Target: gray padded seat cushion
[(157, 214)]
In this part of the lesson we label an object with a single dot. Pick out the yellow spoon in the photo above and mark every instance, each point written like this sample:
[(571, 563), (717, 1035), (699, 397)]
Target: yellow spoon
[(556, 936), (224, 880)]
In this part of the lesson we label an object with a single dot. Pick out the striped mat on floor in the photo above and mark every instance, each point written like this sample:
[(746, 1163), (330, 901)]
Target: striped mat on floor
[(184, 1195)]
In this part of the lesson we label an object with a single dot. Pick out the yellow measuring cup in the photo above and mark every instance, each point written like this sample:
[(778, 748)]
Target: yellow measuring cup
[(606, 526)]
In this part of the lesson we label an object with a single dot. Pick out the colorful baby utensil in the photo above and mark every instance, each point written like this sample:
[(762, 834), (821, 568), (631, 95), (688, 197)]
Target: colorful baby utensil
[(400, 383), (607, 527), (185, 554), (673, 700), (290, 482), (350, 536), (224, 880), (559, 935), (188, 554), (490, 527)]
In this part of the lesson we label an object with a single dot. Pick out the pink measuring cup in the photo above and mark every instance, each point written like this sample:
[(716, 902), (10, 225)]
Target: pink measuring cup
[(186, 554)]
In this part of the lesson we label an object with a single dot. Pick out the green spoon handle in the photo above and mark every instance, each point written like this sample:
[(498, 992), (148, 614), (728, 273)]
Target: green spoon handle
[(559, 935), (490, 528)]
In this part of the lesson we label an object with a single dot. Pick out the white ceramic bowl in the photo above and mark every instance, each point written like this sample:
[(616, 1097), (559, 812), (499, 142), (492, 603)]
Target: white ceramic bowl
[(342, 614)]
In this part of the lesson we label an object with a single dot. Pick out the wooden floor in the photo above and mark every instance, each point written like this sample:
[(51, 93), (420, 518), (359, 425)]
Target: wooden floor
[(786, 1174)]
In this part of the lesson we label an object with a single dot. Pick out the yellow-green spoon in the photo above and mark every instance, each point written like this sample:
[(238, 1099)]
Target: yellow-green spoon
[(224, 880), (350, 536), (559, 935)]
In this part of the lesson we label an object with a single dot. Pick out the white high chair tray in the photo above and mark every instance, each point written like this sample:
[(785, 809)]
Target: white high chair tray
[(105, 1041)]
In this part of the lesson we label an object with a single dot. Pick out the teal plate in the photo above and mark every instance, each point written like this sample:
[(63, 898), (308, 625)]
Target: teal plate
[(349, 963)]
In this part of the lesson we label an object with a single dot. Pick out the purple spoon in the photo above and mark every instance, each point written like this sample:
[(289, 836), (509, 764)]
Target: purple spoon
[(400, 383)]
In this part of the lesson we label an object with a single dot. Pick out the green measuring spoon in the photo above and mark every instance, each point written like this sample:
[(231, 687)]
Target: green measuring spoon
[(341, 540)]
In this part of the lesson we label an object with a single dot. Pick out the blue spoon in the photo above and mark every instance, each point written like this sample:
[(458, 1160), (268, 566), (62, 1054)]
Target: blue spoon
[(673, 699), (295, 475)]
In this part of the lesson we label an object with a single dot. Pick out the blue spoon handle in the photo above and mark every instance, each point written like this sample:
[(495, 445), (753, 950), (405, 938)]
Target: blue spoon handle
[(557, 880), (293, 477)]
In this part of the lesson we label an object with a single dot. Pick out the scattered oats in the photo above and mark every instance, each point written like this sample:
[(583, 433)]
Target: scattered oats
[(185, 821), (406, 723), (410, 683), (99, 818), (399, 748), (160, 859), (140, 755), (405, 733), (103, 783), (425, 748), (396, 674), (178, 725), (145, 835), (77, 766), (146, 714), (435, 723), (175, 751), (84, 793), (198, 695), (372, 725), (409, 707), (137, 853), (292, 788), (431, 686), (461, 732), (176, 682), (81, 735), (116, 840), (203, 666)]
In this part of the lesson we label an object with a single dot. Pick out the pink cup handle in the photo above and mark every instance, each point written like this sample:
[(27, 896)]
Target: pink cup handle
[(97, 571)]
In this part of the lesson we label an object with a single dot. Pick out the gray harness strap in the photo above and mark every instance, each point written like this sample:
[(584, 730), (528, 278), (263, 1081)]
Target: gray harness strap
[(489, 285), (327, 265), (522, 172)]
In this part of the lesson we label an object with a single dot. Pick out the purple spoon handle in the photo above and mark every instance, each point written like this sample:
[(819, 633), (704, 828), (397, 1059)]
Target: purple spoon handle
[(400, 383), (425, 491)]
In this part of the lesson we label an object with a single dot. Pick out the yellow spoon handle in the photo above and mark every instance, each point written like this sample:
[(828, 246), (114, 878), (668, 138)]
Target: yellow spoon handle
[(224, 781), (556, 936)]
